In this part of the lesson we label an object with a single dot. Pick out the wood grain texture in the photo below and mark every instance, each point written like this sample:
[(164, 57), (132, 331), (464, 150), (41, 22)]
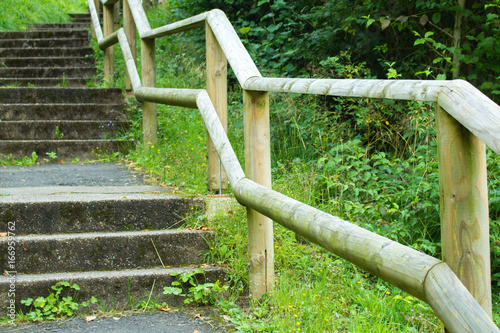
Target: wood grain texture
[(94, 16), (463, 196), (178, 97), (148, 78), (130, 31), (236, 54), (258, 168), (219, 138), (474, 110), (179, 26), (216, 79), (140, 18), (108, 41), (419, 90), (109, 53), (130, 63), (453, 304)]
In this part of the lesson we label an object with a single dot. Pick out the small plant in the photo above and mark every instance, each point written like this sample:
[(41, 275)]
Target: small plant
[(197, 293), (58, 133), (55, 305), (52, 155), (34, 157)]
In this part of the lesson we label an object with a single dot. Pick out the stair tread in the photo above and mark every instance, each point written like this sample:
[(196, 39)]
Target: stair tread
[(26, 278)]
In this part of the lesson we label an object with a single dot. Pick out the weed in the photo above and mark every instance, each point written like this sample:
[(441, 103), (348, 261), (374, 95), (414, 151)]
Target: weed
[(59, 135), (55, 305), (206, 293)]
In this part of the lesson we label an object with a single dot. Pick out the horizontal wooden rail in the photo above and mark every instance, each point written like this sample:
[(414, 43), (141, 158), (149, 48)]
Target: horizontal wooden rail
[(421, 275)]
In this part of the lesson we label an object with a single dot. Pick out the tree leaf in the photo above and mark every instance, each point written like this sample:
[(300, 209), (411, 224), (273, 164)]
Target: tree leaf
[(424, 19), (436, 17), (245, 30), (384, 22)]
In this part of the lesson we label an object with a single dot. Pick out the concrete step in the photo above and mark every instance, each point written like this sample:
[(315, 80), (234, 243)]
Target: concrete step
[(64, 149), (45, 34), (61, 129), (113, 287), (44, 82), (51, 26), (93, 251), (48, 62), (30, 43), (77, 209), (47, 52), (61, 95), (47, 72), (50, 111)]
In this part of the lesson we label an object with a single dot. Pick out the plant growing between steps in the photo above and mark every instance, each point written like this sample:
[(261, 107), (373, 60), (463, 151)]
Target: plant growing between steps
[(55, 305), (204, 294)]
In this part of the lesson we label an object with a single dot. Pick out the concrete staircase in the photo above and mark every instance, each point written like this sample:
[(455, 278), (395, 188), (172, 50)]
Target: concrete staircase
[(97, 225), (45, 105)]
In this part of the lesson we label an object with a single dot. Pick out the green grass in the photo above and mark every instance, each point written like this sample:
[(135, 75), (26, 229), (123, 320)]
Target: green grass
[(21, 14)]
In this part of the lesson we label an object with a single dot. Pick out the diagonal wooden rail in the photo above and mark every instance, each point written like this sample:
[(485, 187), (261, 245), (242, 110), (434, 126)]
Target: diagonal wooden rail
[(466, 120)]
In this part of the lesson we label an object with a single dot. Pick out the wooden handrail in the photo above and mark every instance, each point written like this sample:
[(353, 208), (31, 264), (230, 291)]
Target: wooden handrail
[(421, 275)]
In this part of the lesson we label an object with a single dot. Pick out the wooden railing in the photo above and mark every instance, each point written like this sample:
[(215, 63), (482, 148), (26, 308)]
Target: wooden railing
[(466, 119)]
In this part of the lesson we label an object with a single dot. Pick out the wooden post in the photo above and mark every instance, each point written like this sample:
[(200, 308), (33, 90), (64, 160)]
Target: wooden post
[(129, 27), (258, 169), (96, 4), (148, 77), (464, 206), (217, 90), (109, 54), (116, 17)]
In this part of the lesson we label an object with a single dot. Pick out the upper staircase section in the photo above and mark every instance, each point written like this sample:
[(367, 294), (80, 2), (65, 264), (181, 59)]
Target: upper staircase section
[(48, 55), (45, 102)]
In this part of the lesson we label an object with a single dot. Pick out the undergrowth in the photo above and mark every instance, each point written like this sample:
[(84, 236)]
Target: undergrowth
[(21, 14)]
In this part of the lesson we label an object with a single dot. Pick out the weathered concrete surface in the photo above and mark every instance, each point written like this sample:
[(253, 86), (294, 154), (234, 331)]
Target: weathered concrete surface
[(49, 34), (202, 320), (56, 26), (113, 287), (47, 61), (63, 111), (48, 52), (44, 82), (61, 129), (47, 72), (60, 95), (92, 251), (64, 149), (28, 43), (101, 176)]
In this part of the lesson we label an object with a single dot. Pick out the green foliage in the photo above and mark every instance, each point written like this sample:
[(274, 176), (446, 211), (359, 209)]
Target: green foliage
[(20, 14), (55, 305), (25, 161), (206, 293)]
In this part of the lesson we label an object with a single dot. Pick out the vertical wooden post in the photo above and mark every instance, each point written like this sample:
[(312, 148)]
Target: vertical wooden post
[(217, 90), (258, 169), (116, 15), (109, 53), (148, 77), (129, 26), (464, 206), (96, 4)]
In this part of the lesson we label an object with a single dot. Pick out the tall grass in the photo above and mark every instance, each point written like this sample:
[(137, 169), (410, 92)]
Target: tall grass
[(21, 14)]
